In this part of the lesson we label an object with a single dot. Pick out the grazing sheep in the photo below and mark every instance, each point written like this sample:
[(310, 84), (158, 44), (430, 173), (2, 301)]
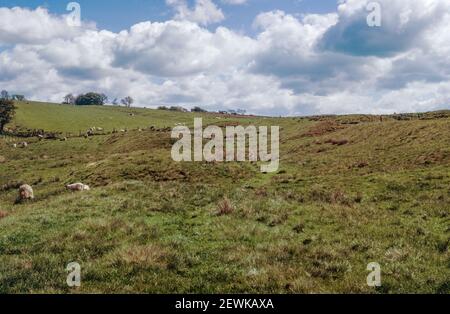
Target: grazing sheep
[(14, 146), (63, 139), (25, 193), (78, 187), (24, 144)]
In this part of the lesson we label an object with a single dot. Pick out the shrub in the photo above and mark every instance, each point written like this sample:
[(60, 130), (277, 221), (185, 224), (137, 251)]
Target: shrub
[(224, 207), (3, 214)]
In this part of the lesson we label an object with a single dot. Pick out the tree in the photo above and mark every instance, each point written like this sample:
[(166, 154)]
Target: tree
[(177, 108), (198, 109), (18, 97), (127, 101), (4, 94), (90, 99), (104, 98), (115, 102), (69, 99), (7, 111)]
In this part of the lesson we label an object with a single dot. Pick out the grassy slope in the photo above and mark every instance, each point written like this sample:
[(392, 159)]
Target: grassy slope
[(149, 225), (64, 118)]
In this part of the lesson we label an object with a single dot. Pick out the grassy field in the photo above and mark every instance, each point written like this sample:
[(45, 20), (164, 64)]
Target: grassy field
[(150, 225), (64, 118)]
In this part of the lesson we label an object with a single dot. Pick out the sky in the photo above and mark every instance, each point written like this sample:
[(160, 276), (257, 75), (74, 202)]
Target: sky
[(271, 57), (116, 15)]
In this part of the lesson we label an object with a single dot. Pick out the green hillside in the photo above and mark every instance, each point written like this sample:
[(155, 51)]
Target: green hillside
[(151, 225), (66, 118)]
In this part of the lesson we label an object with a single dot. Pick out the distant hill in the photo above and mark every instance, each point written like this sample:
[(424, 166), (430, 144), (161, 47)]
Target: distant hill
[(70, 118)]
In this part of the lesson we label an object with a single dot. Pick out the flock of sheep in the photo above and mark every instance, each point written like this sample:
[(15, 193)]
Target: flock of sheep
[(22, 144), (26, 191)]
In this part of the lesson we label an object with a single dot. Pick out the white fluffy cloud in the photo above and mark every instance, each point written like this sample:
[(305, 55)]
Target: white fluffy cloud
[(180, 48), (327, 63), (204, 12), (18, 25)]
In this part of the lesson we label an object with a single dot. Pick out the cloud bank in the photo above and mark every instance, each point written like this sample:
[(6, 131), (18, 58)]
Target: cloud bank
[(316, 63)]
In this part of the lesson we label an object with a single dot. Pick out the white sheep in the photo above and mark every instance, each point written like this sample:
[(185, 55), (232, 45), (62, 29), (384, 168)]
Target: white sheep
[(26, 192), (78, 187)]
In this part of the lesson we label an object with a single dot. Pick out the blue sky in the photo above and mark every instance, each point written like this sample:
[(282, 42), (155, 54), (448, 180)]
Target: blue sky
[(116, 15)]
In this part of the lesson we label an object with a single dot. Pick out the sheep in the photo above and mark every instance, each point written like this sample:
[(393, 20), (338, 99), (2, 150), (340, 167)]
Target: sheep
[(14, 145), (24, 144), (63, 139), (25, 193), (78, 187)]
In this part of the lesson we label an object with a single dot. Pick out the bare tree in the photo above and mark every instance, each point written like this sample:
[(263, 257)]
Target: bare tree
[(18, 97), (69, 99), (4, 94), (127, 101), (104, 98)]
